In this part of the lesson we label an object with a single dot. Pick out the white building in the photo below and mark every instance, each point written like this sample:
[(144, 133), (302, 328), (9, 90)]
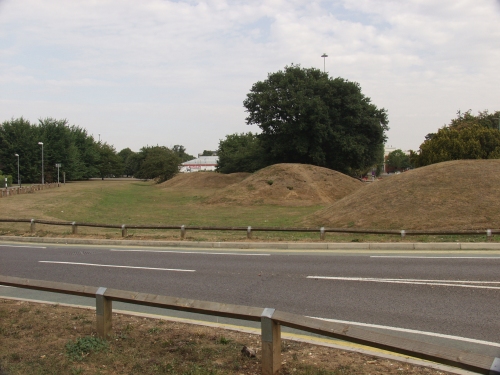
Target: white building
[(202, 163)]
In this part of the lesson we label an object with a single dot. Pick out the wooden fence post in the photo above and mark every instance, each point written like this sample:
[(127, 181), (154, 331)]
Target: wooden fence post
[(74, 228), (124, 230), (32, 226), (183, 232), (271, 343), (103, 311)]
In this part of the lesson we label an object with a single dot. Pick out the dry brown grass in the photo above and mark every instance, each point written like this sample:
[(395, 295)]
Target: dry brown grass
[(288, 185), (34, 336), (204, 180), (462, 194)]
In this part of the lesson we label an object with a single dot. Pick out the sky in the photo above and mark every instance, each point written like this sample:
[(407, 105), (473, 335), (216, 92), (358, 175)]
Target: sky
[(159, 72)]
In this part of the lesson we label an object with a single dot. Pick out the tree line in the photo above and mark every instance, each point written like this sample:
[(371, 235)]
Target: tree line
[(80, 155), (307, 117), (467, 136)]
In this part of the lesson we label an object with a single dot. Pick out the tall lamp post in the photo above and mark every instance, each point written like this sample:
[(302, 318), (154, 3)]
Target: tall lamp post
[(324, 56), (43, 181), (18, 178)]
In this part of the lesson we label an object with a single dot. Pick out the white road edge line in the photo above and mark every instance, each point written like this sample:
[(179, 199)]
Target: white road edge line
[(5, 286), (428, 257), (190, 252), (464, 284), (116, 266), (30, 247), (412, 331)]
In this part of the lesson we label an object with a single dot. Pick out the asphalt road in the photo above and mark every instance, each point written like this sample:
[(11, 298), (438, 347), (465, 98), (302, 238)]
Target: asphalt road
[(443, 293)]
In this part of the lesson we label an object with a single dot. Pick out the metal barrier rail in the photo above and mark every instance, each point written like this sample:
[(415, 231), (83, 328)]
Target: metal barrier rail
[(183, 228), (271, 322)]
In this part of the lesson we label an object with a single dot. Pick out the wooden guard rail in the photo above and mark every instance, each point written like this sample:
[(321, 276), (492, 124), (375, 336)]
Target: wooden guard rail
[(183, 228), (271, 322)]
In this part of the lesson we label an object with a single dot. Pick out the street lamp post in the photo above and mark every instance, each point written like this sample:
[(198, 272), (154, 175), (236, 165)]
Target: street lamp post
[(18, 178), (43, 180), (324, 56), (58, 165)]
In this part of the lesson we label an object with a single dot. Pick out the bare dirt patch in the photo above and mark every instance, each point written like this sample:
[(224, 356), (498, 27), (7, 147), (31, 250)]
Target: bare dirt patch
[(201, 180), (42, 339), (288, 185), (462, 194)]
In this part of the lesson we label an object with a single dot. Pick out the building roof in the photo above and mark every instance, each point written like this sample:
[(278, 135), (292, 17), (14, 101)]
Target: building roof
[(206, 160)]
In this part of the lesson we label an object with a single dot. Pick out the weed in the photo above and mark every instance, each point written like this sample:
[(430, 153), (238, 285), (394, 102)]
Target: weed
[(15, 357), (76, 371), (78, 317), (23, 310), (154, 330), (289, 187), (222, 340), (83, 346), (270, 182)]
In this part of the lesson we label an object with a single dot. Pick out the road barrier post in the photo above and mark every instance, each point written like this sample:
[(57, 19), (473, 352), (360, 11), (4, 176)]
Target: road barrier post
[(124, 230), (322, 233), (32, 226), (104, 312), (249, 233), (271, 343), (74, 228), (183, 232), (488, 234), (403, 233)]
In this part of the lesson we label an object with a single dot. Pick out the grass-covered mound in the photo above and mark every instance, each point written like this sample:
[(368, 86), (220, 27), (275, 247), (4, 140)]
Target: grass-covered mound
[(289, 185), (200, 180), (461, 194)]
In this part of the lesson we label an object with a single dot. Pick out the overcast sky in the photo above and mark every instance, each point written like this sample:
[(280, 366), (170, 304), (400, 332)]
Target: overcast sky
[(176, 72)]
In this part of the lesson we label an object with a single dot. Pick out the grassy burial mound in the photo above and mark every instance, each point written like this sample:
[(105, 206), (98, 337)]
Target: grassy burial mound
[(461, 194), (289, 185), (203, 180)]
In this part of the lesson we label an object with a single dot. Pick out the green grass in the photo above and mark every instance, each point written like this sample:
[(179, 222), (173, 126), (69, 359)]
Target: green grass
[(135, 202)]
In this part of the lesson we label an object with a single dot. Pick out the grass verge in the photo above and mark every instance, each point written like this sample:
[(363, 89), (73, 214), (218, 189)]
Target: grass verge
[(51, 339), (134, 202)]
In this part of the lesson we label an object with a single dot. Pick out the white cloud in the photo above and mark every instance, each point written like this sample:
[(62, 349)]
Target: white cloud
[(142, 72)]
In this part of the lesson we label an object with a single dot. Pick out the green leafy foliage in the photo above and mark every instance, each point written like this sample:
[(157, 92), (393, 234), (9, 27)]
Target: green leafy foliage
[(308, 117), (180, 151), (158, 163), (83, 346), (110, 164), (240, 153), (466, 137), (68, 145), (397, 159)]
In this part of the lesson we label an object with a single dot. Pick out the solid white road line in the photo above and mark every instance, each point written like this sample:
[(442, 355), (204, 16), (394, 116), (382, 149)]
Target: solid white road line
[(115, 266), (429, 257), (191, 252), (458, 283), (30, 247), (412, 331)]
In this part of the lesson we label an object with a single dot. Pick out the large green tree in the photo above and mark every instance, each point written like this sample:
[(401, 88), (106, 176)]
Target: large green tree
[(240, 153), (466, 137), (68, 145), (181, 153), (308, 117), (109, 164), (397, 159), (158, 163)]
